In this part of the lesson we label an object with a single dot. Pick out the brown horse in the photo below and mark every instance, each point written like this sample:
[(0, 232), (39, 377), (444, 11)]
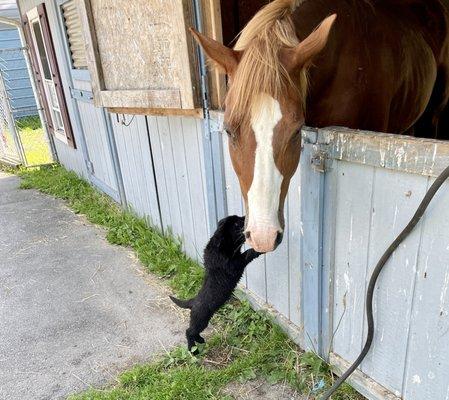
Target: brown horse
[(376, 67)]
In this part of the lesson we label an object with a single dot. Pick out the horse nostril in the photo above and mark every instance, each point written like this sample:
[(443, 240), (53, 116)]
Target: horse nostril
[(279, 238), (248, 235)]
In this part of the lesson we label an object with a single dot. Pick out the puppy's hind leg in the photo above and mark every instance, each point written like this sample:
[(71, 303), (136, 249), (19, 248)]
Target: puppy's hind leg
[(199, 319)]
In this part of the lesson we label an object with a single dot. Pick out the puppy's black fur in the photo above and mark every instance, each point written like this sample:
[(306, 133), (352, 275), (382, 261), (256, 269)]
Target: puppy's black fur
[(224, 263)]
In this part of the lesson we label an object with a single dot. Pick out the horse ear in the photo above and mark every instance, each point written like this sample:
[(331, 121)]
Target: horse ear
[(303, 54), (224, 58)]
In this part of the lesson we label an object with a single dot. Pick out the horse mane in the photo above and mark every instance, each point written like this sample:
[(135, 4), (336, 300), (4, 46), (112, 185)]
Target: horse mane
[(260, 70)]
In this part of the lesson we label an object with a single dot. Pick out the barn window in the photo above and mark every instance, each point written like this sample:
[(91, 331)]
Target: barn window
[(141, 57), (74, 32), (41, 50)]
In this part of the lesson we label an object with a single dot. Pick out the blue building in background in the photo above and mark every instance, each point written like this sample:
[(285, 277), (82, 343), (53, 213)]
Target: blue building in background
[(13, 65)]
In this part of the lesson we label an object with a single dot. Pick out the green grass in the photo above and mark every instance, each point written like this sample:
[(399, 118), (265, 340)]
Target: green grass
[(247, 343), (33, 140)]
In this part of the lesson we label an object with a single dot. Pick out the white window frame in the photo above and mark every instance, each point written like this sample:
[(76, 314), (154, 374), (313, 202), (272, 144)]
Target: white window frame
[(33, 17)]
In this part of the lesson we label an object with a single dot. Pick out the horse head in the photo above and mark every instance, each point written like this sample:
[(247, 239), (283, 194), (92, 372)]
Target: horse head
[(265, 110)]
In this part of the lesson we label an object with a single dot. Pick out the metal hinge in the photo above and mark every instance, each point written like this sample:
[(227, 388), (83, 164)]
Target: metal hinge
[(318, 161), (82, 95)]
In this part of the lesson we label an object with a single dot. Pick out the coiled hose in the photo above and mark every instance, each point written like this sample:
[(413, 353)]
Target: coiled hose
[(380, 265)]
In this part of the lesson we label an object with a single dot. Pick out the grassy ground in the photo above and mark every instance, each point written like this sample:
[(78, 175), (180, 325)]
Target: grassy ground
[(245, 344), (33, 140)]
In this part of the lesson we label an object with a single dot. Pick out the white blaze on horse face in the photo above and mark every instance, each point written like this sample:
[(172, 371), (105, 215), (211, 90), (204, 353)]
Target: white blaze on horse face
[(264, 194)]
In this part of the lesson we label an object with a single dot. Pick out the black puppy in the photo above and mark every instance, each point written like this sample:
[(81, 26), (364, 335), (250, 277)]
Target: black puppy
[(224, 263)]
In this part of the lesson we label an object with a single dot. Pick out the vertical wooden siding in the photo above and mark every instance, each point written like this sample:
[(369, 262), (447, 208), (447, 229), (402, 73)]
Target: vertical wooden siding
[(370, 206), (177, 144), (96, 137), (134, 153)]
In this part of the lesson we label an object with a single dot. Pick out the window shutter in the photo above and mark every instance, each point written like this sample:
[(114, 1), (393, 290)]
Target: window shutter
[(74, 34), (46, 33)]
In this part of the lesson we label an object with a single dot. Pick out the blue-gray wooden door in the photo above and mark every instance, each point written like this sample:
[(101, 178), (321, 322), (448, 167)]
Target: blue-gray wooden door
[(364, 188)]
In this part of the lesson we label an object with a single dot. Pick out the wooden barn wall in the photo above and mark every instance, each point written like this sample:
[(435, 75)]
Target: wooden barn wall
[(367, 207), (179, 167), (134, 153)]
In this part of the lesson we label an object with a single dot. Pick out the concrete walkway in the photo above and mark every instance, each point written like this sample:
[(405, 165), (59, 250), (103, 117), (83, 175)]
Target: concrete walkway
[(74, 310)]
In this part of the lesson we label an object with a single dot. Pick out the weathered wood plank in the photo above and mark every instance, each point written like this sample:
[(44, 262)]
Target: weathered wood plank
[(168, 165), (353, 204), (400, 153), (395, 199), (329, 237), (137, 172), (141, 53), (197, 113), (182, 187), (97, 143), (141, 98), (363, 383), (294, 249), (161, 181), (192, 151), (277, 273), (200, 140), (426, 375), (312, 201)]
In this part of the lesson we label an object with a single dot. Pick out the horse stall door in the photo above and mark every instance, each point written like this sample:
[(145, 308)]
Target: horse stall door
[(371, 188)]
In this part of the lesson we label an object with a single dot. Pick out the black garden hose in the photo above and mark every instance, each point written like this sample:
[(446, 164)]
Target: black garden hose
[(380, 265)]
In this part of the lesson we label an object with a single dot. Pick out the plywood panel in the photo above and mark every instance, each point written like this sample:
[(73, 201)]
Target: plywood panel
[(140, 53)]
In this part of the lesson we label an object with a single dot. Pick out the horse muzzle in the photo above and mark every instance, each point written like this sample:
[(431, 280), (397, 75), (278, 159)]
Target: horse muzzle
[(263, 239)]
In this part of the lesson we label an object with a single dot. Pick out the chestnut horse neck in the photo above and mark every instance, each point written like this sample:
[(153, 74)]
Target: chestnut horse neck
[(260, 70)]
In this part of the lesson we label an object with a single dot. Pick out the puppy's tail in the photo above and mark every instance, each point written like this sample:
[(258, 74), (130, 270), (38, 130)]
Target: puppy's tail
[(182, 303)]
